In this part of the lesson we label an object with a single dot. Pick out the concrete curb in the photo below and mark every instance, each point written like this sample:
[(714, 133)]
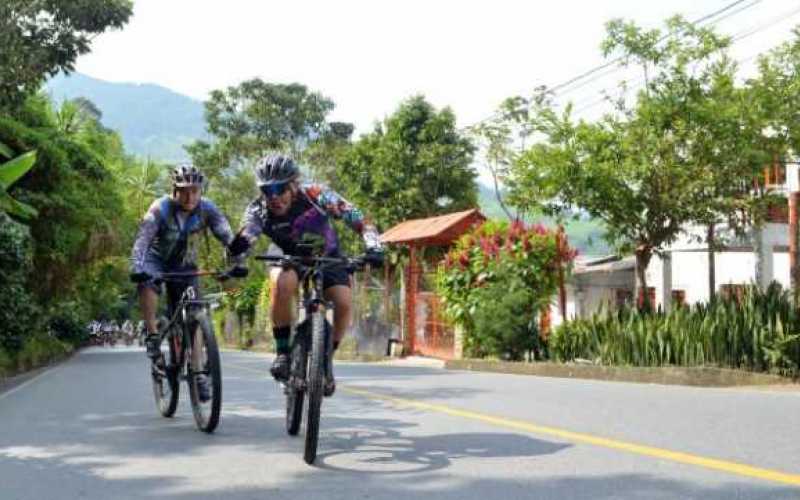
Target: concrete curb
[(690, 376), (340, 355)]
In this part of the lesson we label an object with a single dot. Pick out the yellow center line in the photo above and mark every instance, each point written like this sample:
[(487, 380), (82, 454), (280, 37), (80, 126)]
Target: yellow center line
[(577, 437)]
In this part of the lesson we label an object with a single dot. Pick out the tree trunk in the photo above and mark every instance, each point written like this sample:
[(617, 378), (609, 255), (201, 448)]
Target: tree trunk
[(712, 270), (643, 255)]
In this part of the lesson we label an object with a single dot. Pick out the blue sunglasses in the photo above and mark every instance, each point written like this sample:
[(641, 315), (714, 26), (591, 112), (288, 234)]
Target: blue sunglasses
[(276, 189)]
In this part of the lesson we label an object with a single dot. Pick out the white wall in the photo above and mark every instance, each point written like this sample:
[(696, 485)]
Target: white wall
[(690, 265)]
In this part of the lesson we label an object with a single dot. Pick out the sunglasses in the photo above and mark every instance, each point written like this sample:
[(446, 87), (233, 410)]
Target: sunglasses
[(273, 190)]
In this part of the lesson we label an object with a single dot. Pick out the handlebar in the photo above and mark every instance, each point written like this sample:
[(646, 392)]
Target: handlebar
[(185, 275), (352, 263)]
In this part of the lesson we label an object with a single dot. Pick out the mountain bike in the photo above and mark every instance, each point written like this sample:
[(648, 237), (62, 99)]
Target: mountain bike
[(311, 345), (192, 352)]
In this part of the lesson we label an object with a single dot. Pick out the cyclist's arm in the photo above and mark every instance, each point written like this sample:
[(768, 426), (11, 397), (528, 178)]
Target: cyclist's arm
[(337, 207), (218, 223), (148, 229), (252, 227)]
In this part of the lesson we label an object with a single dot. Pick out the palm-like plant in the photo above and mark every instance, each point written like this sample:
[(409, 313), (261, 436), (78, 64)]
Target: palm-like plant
[(10, 172)]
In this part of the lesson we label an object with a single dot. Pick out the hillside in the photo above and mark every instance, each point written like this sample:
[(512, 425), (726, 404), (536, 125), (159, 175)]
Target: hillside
[(153, 121), (584, 234)]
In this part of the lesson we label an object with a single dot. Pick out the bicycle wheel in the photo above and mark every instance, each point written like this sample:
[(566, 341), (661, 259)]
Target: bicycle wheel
[(206, 413), (294, 389), (315, 381), (165, 383)]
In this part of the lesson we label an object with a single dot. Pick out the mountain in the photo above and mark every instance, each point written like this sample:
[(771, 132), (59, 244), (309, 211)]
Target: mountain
[(152, 120)]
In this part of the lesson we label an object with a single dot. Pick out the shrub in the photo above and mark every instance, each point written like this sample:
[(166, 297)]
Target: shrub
[(495, 281), (19, 314), (41, 349), (6, 364), (759, 331), (67, 322)]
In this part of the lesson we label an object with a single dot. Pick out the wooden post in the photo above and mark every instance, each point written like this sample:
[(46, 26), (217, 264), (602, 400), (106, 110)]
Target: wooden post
[(411, 299), (387, 282)]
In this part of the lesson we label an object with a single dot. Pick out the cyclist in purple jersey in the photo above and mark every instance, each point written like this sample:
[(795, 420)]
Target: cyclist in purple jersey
[(289, 212)]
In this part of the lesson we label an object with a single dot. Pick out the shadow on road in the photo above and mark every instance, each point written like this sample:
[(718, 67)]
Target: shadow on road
[(63, 440)]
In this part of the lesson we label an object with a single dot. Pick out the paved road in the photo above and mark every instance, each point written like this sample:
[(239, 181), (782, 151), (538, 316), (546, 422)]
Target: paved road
[(88, 429)]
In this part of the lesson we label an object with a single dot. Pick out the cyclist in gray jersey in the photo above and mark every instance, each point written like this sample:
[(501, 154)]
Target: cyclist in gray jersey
[(168, 240)]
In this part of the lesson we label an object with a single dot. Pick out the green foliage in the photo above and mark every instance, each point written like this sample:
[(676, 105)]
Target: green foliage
[(684, 149), (776, 95), (759, 333), (40, 349), (74, 193), (19, 314), (255, 117), (262, 324), (10, 172), (495, 281), (416, 164), (67, 322), (7, 364), (244, 302), (42, 37)]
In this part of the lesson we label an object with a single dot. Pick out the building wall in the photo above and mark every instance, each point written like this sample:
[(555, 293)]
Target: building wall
[(690, 264)]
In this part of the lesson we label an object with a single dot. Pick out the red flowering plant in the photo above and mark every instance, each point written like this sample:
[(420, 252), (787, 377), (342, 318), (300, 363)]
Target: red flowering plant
[(496, 279)]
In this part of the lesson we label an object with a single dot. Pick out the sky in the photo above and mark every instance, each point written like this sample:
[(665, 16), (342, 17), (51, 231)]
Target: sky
[(368, 56)]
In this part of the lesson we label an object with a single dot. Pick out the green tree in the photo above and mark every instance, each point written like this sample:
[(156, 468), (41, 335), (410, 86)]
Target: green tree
[(80, 210), (256, 116), (662, 161), (42, 37), (415, 164)]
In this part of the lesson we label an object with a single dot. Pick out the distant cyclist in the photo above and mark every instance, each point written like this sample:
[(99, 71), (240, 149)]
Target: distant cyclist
[(288, 211)]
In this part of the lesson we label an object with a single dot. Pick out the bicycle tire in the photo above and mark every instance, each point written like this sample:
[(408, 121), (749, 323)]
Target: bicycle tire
[(206, 417), (315, 381), (295, 395), (167, 400)]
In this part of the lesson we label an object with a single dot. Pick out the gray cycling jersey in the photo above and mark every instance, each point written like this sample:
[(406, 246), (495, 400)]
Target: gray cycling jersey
[(171, 240)]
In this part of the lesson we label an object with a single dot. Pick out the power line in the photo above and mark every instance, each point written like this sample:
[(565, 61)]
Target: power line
[(736, 38), (664, 37), (614, 62), (618, 62)]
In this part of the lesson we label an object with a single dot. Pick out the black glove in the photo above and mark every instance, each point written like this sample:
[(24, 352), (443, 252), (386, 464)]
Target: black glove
[(140, 277), (374, 258), (238, 272), (238, 246)]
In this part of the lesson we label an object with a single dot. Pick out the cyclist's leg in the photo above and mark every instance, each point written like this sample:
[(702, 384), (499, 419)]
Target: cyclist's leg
[(342, 298), (282, 294), (336, 284)]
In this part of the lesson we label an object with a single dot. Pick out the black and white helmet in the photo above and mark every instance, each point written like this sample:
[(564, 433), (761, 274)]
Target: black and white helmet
[(187, 174), (275, 169)]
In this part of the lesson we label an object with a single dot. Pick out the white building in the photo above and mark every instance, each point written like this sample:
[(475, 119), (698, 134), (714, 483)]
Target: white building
[(681, 273)]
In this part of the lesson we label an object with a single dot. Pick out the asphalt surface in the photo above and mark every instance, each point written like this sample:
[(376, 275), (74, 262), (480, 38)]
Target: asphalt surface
[(88, 429)]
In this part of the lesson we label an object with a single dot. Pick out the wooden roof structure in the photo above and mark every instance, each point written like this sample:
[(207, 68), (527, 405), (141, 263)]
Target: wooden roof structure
[(433, 231), (416, 234)]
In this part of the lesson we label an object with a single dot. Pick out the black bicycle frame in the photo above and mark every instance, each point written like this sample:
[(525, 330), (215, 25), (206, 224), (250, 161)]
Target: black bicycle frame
[(182, 314)]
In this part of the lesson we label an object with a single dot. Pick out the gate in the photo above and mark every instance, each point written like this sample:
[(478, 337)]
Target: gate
[(435, 336)]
